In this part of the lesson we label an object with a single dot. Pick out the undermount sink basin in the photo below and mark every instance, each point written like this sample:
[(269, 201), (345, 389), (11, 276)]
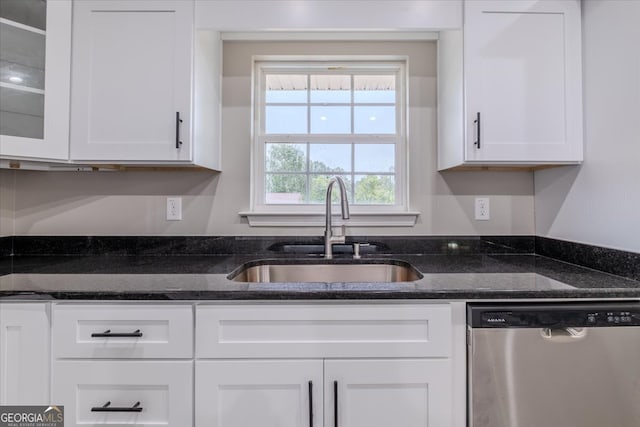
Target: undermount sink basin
[(327, 271)]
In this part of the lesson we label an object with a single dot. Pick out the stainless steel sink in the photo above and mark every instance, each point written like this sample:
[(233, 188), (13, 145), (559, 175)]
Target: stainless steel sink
[(303, 271)]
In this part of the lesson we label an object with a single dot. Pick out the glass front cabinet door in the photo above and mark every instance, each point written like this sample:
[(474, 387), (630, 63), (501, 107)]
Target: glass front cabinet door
[(35, 61)]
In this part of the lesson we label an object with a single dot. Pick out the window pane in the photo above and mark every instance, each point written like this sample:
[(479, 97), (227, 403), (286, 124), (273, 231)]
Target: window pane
[(286, 97), (374, 120), (285, 157), (309, 114), (286, 88), (285, 189), (331, 96), (285, 119), (330, 120), (319, 185), (375, 189), (375, 157), (331, 88), (330, 157), (374, 89)]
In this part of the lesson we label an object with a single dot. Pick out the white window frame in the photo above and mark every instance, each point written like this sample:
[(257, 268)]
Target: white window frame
[(262, 214)]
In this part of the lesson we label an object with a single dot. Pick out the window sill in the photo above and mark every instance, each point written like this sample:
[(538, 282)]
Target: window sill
[(298, 219)]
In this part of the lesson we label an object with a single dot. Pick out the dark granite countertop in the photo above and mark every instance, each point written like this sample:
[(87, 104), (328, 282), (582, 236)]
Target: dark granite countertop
[(204, 277)]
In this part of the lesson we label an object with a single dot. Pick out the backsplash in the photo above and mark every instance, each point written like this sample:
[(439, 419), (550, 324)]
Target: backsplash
[(36, 248), (207, 245), (621, 263), (6, 250)]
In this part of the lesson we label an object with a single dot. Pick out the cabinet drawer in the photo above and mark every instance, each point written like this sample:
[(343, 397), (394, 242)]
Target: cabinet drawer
[(259, 331), (163, 390), (122, 331)]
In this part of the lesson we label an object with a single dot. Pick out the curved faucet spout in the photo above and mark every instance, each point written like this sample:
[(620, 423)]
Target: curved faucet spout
[(344, 202), (329, 238)]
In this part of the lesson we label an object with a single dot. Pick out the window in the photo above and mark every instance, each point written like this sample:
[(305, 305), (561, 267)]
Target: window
[(316, 119)]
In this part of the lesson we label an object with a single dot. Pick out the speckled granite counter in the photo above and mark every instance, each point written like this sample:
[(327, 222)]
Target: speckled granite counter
[(476, 276)]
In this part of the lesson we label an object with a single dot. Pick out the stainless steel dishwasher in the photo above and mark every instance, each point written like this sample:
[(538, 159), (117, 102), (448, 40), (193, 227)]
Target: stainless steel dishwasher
[(554, 365)]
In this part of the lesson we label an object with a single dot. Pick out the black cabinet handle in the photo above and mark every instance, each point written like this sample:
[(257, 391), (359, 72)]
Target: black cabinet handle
[(310, 403), (477, 122), (335, 404), (109, 334), (178, 121), (108, 408)]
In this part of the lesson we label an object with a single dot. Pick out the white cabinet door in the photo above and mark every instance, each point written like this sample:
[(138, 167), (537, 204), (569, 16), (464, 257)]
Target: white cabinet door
[(358, 392), (383, 393), (35, 63), (24, 354), (244, 393), (142, 393), (132, 76), (522, 67)]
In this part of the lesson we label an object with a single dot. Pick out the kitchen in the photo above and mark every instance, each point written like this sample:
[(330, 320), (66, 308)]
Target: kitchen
[(51, 215)]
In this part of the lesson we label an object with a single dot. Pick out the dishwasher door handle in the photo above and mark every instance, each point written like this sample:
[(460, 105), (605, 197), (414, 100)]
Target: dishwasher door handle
[(563, 334)]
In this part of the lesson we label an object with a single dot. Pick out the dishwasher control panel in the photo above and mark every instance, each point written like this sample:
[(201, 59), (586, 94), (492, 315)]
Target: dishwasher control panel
[(553, 315)]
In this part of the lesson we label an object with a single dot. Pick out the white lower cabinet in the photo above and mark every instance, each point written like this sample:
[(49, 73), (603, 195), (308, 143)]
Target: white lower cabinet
[(24, 354), (123, 364), (359, 364), (347, 393), (141, 393), (339, 365)]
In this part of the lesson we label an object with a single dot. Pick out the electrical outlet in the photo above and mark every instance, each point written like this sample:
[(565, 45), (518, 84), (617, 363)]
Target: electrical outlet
[(482, 209), (174, 208)]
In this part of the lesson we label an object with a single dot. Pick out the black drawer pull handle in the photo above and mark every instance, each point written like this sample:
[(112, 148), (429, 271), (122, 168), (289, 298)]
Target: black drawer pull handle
[(108, 408), (178, 121), (335, 404), (310, 403), (109, 334), (477, 122)]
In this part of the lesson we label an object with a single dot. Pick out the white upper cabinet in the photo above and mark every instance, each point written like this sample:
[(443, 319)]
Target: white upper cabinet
[(510, 90), (35, 55), (132, 81)]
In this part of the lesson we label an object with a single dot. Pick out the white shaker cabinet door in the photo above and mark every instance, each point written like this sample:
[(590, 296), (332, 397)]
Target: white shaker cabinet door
[(131, 84), (383, 393), (522, 67), (243, 393), (24, 354)]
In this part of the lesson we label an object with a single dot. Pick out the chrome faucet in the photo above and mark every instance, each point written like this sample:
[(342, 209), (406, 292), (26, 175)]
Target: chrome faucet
[(329, 238)]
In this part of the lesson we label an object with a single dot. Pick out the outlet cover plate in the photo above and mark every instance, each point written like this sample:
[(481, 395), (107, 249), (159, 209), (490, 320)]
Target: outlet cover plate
[(174, 208), (482, 209)]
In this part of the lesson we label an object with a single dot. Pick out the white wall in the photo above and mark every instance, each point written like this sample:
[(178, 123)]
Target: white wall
[(598, 203), (132, 203)]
